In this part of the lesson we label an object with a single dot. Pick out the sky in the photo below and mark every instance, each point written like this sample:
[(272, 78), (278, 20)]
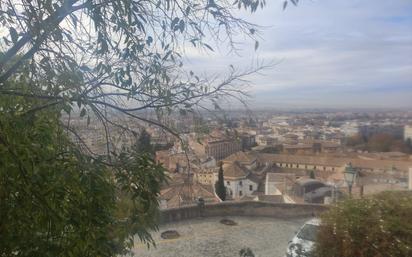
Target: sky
[(327, 54)]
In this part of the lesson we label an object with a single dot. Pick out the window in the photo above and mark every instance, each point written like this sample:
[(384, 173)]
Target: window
[(324, 168), (250, 187), (308, 232), (240, 183), (333, 169), (240, 193), (314, 167)]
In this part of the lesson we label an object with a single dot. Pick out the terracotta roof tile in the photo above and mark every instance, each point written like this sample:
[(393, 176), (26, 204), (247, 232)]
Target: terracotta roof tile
[(336, 161), (240, 156), (234, 170)]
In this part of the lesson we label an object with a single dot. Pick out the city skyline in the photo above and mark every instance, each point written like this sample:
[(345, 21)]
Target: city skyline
[(326, 54)]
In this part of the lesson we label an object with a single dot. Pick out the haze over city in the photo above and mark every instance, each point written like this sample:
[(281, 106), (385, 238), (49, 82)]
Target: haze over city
[(345, 54), (204, 128)]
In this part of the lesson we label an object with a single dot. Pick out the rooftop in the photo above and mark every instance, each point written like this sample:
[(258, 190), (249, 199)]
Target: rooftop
[(241, 157), (176, 195), (234, 170), (336, 161)]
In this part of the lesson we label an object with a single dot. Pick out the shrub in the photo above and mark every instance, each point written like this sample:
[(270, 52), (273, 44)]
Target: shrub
[(377, 226)]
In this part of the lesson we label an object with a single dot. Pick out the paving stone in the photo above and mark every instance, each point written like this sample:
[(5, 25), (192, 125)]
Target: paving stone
[(209, 238)]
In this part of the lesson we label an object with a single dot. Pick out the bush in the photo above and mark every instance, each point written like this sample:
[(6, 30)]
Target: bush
[(220, 185), (376, 226)]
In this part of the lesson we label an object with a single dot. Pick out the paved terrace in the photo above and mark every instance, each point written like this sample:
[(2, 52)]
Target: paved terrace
[(209, 238), (264, 227)]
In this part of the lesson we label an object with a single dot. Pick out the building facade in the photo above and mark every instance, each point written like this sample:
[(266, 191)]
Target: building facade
[(220, 149), (239, 181), (248, 141), (206, 176), (407, 132), (333, 164)]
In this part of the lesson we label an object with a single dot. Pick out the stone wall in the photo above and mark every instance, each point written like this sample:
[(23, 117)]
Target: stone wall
[(246, 208)]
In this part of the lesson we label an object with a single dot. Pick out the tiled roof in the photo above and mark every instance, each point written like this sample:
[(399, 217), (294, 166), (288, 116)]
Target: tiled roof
[(336, 161), (174, 194), (291, 136), (241, 157), (278, 177), (308, 181), (254, 178), (234, 170), (298, 146)]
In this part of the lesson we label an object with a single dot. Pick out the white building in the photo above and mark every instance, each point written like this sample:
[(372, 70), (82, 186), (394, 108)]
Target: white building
[(205, 176), (350, 128), (239, 181), (266, 140), (407, 132), (272, 184), (208, 162)]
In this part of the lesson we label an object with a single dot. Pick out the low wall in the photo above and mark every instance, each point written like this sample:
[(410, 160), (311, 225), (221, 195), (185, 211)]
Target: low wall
[(246, 208)]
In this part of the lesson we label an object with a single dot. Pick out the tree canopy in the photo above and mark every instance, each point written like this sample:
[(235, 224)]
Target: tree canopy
[(57, 201), (376, 226), (97, 58), (93, 57), (220, 184), (95, 54), (379, 142), (143, 143)]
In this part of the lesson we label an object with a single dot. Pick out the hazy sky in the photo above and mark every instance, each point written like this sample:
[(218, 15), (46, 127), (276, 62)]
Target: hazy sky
[(329, 53)]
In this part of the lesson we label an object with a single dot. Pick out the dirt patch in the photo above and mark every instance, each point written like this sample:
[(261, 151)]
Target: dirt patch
[(228, 222), (170, 234)]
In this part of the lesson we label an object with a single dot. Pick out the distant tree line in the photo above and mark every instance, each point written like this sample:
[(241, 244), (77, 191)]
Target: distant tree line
[(380, 142)]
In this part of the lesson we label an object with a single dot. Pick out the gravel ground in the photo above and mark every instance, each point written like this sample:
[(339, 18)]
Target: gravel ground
[(209, 238)]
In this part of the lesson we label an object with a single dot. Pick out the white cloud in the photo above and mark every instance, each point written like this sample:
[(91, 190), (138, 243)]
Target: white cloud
[(326, 49)]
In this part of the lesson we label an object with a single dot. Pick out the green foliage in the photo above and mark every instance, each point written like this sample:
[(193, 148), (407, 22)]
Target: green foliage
[(380, 142), (94, 54), (57, 201), (138, 179), (312, 174), (285, 3), (355, 140), (409, 143), (369, 227), (200, 126), (97, 57), (246, 252), (143, 144), (220, 185)]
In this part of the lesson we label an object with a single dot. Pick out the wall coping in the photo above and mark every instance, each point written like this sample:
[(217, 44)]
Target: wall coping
[(247, 203), (242, 208)]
